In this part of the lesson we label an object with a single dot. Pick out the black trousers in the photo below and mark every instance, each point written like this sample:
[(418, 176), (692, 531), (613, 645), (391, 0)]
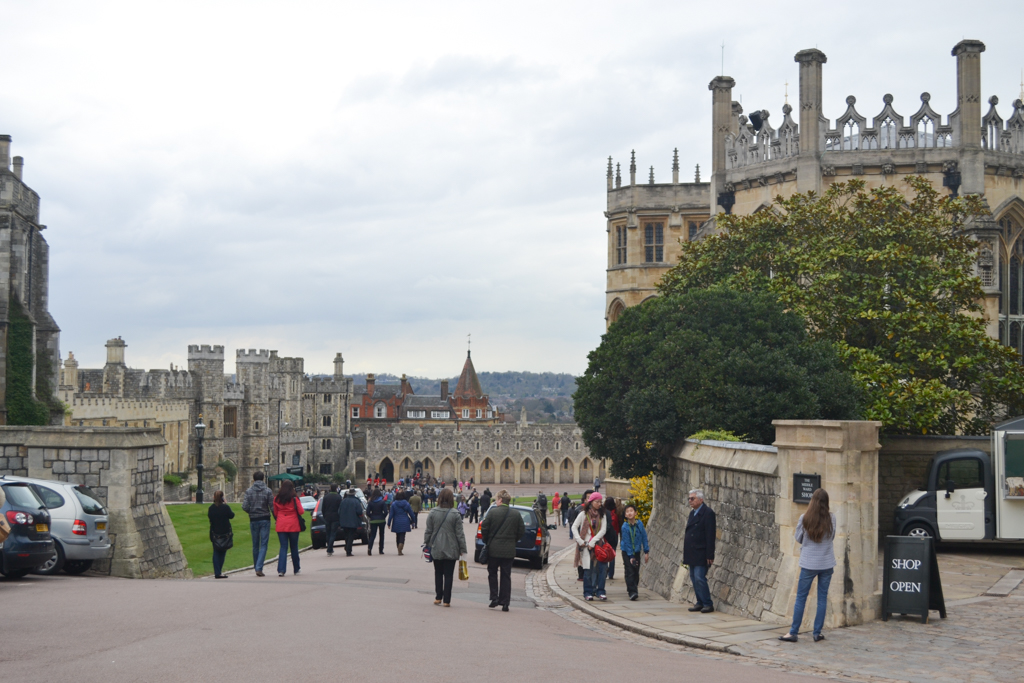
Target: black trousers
[(350, 535), (332, 533), (474, 514), (376, 529), (501, 588), (631, 565), (444, 574), (611, 565)]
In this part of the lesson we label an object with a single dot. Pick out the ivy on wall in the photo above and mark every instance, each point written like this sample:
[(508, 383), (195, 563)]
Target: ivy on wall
[(22, 409)]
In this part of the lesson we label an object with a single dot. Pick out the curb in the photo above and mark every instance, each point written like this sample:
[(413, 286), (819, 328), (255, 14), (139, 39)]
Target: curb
[(627, 624)]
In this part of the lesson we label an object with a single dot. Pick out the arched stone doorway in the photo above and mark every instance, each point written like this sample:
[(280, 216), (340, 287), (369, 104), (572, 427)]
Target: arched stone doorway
[(405, 469), (565, 472), (360, 470), (586, 471), (386, 469), (508, 472), (428, 467), (527, 472), (468, 470), (487, 472), (447, 470), (547, 472)]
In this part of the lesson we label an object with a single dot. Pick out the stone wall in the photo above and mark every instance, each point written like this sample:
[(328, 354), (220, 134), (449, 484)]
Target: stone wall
[(903, 465), (123, 467), (740, 485)]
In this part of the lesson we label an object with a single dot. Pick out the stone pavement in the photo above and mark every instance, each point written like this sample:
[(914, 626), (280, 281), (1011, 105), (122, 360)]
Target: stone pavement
[(981, 640)]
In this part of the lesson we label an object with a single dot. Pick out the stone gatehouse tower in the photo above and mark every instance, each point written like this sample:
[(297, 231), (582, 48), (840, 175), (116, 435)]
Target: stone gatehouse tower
[(753, 161)]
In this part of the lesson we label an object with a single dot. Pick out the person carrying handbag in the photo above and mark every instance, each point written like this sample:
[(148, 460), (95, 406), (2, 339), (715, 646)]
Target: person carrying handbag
[(501, 529), (288, 523), (221, 534), (588, 530), (446, 540)]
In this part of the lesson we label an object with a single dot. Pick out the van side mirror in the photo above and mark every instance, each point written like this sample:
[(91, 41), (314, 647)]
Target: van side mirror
[(950, 487)]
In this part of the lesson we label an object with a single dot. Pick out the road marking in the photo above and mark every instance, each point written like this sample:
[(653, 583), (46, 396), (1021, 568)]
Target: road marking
[(1005, 585), (379, 579)]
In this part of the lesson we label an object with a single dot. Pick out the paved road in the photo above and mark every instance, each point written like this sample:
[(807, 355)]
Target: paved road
[(367, 616)]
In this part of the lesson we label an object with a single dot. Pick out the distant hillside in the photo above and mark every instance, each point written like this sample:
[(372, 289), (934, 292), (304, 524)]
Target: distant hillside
[(547, 396)]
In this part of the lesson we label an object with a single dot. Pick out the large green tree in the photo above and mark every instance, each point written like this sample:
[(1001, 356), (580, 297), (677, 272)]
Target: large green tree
[(706, 359), (888, 279)]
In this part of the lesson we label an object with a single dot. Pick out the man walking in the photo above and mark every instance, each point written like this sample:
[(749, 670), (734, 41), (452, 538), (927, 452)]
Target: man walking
[(564, 506), (485, 502), (258, 502), (416, 503), (540, 506), (500, 531), (329, 509), (350, 518), (699, 549)]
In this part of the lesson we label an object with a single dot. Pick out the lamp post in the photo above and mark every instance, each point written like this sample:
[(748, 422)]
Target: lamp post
[(266, 469), (200, 431)]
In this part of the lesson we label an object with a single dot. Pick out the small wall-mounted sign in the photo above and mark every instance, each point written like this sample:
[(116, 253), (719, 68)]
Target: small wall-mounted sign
[(804, 486)]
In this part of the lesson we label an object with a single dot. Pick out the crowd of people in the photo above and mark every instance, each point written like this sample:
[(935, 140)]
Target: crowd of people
[(600, 527)]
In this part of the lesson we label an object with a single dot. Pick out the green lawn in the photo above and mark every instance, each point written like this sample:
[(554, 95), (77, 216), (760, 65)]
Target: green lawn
[(193, 529)]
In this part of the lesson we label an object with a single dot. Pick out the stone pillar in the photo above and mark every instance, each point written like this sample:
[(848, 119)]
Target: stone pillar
[(808, 165), (721, 125), (967, 124), (845, 454)]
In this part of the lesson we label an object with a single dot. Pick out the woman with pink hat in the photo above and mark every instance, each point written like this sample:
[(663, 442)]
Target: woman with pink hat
[(588, 531)]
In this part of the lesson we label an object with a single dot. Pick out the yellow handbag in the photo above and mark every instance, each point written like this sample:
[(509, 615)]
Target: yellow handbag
[(463, 570), (5, 530)]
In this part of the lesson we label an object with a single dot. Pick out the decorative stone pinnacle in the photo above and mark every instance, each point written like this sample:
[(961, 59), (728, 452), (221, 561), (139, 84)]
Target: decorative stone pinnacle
[(632, 161), (609, 167), (651, 181), (675, 160), (696, 175), (618, 175)]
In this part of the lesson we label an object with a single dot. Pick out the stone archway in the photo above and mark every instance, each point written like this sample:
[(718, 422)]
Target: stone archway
[(508, 471), (586, 471), (615, 310), (468, 470), (565, 472), (447, 471), (428, 467), (547, 472), (527, 472), (386, 469), (487, 472), (360, 470), (405, 469)]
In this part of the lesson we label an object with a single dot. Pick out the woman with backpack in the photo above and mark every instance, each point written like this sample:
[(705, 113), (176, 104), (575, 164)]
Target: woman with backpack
[(288, 524), (592, 552), (815, 532), (446, 540)]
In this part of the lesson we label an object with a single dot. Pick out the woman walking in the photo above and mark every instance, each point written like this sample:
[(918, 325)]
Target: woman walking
[(588, 530), (815, 532), (447, 542), (555, 510), (286, 515), (221, 536), (400, 520), (612, 537)]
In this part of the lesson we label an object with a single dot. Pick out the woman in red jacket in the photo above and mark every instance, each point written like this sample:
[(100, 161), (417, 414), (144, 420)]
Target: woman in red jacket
[(286, 513)]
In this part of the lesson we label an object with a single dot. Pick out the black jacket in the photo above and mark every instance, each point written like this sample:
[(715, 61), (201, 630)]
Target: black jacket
[(330, 506), (699, 541), (350, 514), (564, 503), (501, 531), (377, 510), (485, 501), (610, 535), (220, 519)]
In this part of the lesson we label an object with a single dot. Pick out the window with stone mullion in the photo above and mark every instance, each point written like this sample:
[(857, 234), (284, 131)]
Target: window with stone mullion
[(654, 241)]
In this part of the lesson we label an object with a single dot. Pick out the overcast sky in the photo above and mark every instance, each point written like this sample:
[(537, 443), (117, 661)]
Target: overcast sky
[(382, 179)]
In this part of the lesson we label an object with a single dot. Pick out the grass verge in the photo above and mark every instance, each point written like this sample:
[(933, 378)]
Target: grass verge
[(193, 529)]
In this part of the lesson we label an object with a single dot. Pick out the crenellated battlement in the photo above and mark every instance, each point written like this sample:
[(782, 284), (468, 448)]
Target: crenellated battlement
[(205, 352), (252, 356)]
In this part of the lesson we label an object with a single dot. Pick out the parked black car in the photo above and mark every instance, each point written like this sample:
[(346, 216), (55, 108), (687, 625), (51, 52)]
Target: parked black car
[(29, 545), (535, 543), (318, 531)]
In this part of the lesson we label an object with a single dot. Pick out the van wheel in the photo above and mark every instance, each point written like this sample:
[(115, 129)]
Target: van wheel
[(75, 567), (919, 530), (54, 564)]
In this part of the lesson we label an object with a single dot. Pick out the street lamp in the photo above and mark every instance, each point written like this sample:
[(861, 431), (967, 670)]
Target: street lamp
[(266, 469), (200, 431)]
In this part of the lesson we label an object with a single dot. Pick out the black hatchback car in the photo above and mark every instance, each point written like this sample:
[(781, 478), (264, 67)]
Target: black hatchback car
[(535, 543), (29, 544), (318, 531)]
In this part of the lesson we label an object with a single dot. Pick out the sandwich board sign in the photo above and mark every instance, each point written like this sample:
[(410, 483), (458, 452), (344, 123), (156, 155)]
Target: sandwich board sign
[(910, 578)]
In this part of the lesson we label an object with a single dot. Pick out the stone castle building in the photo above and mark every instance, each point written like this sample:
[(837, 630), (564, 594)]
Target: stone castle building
[(967, 151), (29, 337)]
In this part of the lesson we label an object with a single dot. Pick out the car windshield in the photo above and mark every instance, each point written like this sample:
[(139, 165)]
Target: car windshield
[(91, 505), (22, 495)]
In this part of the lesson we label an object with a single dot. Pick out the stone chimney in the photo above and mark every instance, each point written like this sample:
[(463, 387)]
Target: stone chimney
[(19, 165), (339, 367), (71, 372), (115, 351), (371, 380), (808, 164), (444, 390), (721, 125), (967, 125), (406, 387), (5, 152)]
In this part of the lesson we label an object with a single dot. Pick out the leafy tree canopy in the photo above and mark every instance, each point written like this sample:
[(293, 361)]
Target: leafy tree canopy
[(889, 281), (706, 359)]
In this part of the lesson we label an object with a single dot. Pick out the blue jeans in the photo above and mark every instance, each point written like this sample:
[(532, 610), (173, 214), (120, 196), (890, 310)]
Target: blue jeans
[(803, 588), (218, 561), (260, 530), (699, 577), (288, 538), (593, 579)]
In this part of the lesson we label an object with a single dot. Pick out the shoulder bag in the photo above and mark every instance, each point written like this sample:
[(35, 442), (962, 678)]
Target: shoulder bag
[(298, 511), (5, 530), (427, 556), (223, 541), (603, 550), (483, 550)]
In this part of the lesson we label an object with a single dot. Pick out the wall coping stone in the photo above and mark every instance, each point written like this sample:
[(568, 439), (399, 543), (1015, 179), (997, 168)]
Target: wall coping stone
[(731, 455), (81, 437)]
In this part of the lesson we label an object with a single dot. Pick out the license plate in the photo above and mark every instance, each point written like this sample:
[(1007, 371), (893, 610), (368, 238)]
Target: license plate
[(42, 527), (101, 526)]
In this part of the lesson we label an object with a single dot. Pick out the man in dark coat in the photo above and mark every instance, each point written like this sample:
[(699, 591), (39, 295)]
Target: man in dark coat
[(485, 502), (540, 506), (699, 549), (500, 531), (329, 509), (350, 518)]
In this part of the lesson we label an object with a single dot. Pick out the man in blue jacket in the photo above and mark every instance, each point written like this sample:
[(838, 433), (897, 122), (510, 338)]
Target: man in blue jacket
[(699, 549), (350, 518), (633, 541)]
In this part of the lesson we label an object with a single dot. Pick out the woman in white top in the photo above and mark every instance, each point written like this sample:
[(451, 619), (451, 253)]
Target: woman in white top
[(815, 531), (589, 528)]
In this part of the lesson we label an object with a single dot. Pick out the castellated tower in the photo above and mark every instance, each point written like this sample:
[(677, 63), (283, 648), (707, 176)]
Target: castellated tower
[(252, 370), (24, 291), (206, 366)]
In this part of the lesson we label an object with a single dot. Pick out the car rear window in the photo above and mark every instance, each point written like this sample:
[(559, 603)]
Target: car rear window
[(91, 505), (51, 499), (527, 517), (23, 496)]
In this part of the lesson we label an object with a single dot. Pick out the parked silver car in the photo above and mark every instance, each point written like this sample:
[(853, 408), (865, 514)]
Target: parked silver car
[(78, 525)]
